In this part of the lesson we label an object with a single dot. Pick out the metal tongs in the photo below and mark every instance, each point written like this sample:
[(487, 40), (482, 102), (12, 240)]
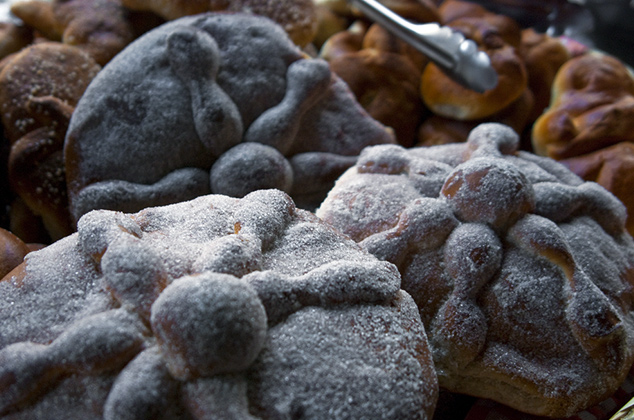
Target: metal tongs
[(457, 56)]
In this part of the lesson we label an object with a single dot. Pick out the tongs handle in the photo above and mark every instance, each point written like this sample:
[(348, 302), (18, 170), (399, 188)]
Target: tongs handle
[(457, 56)]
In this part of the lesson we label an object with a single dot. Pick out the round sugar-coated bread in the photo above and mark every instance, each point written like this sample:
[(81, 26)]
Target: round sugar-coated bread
[(153, 122), (520, 269), (498, 36), (202, 309)]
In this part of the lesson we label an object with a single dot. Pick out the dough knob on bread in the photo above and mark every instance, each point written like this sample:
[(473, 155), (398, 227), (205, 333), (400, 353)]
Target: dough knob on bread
[(208, 324)]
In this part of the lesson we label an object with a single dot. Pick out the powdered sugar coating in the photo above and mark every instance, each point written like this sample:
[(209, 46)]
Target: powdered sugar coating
[(314, 364), (488, 191), (210, 89), (521, 271), (227, 316), (178, 304), (248, 167)]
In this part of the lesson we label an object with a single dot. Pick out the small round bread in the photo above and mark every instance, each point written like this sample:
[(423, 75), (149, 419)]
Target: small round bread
[(344, 42), (39, 16), (592, 107), (437, 130), (381, 39), (520, 269), (543, 56), (213, 308)]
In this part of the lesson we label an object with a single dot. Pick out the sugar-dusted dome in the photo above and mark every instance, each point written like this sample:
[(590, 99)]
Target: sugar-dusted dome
[(219, 103), (523, 273), (222, 307)]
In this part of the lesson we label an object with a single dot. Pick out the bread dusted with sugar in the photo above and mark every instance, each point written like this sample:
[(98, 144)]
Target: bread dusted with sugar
[(213, 308), (184, 111), (522, 272), (39, 88)]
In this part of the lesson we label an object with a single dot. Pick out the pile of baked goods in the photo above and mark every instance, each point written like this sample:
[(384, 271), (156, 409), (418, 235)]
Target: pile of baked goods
[(567, 102), (276, 209)]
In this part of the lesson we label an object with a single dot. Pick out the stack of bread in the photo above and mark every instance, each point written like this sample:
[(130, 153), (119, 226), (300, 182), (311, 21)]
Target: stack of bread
[(276, 209), (439, 109)]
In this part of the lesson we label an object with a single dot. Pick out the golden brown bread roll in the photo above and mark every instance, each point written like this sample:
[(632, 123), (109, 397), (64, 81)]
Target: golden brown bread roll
[(38, 14), (381, 39), (437, 130), (489, 30), (344, 42), (498, 36), (592, 107), (449, 99)]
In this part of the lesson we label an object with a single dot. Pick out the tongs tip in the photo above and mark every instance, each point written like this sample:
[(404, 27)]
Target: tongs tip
[(460, 58), (474, 68)]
